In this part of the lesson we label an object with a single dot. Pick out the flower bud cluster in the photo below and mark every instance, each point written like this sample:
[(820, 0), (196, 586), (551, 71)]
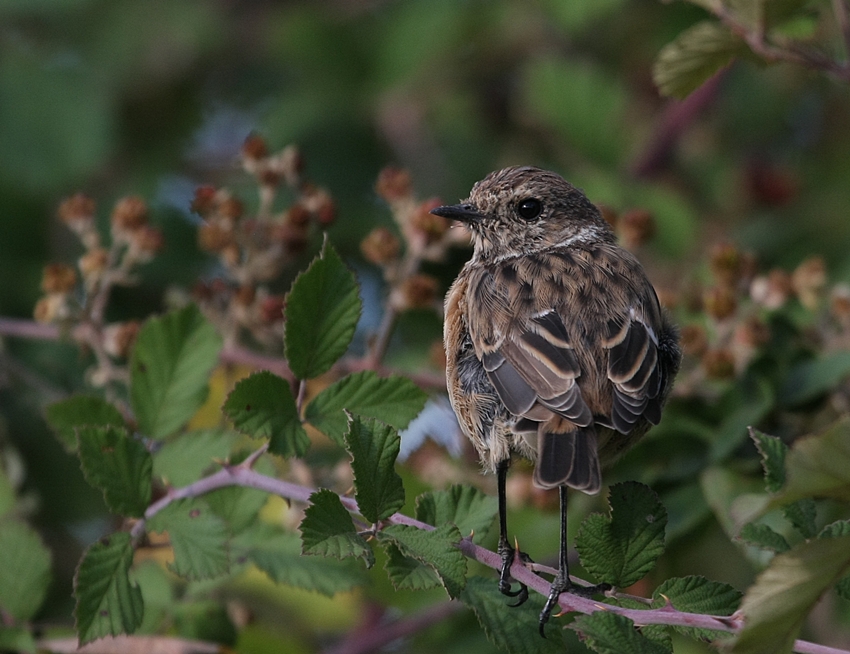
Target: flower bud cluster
[(255, 247)]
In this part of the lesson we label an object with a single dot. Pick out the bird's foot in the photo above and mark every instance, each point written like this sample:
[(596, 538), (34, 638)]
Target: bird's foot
[(509, 555), (564, 585)]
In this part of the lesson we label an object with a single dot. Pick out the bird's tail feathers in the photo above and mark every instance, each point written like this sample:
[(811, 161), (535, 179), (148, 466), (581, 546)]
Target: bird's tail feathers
[(568, 459)]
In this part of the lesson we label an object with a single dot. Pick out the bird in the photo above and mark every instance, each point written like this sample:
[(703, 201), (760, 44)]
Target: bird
[(557, 347)]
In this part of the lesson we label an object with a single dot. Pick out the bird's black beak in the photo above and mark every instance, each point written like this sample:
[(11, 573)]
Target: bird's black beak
[(465, 213)]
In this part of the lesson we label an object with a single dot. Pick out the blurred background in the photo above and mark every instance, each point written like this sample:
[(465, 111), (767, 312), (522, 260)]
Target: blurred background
[(154, 98)]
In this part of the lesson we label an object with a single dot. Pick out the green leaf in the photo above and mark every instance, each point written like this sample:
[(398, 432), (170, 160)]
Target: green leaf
[(697, 595), (108, 604), (750, 401), (819, 466), (436, 548), (467, 507), (262, 406), (236, 505), (760, 535), (17, 639), (328, 530), (169, 370), (621, 549), (772, 451), (509, 629), (374, 448), (836, 530), (393, 400), (25, 570), (278, 554), (694, 56), (184, 459), (407, 573), (777, 604), (198, 538), (66, 416), (609, 633), (802, 514), (811, 379), (322, 310), (118, 466)]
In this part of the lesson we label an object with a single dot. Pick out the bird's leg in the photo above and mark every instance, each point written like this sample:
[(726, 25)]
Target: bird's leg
[(561, 583), (507, 551)]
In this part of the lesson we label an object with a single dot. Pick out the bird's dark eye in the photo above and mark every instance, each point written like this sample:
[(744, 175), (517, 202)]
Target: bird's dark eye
[(529, 209)]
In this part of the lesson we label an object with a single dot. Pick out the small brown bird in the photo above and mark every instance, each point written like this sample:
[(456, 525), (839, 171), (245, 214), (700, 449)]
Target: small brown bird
[(557, 347)]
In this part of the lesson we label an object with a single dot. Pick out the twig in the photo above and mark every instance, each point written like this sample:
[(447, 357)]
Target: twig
[(241, 475), (363, 642)]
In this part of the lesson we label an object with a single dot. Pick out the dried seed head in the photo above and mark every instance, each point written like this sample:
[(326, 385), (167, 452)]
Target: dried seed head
[(58, 278), (719, 363), (636, 227), (245, 295), (808, 281), (271, 309), (381, 246), (255, 148), (77, 212), (93, 263), (726, 263), (720, 302), (231, 208), (129, 214), (146, 242), (432, 227), (752, 333), (694, 340), (119, 338), (214, 238), (298, 215), (394, 184), (839, 303), (205, 200), (419, 291), (772, 290)]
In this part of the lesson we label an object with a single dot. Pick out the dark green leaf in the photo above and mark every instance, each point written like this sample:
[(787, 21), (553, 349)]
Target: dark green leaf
[(609, 633), (322, 310), (694, 56), (811, 379), (467, 507), (184, 459), (108, 604), (509, 629), (698, 595), (752, 401), (436, 548), (198, 538), (393, 400), (17, 639), (773, 452), (819, 466), (65, 416), (169, 370), (278, 554), (262, 406), (236, 505), (760, 535), (776, 605), (25, 570), (328, 530), (621, 549), (835, 530), (407, 573), (802, 514), (374, 448), (118, 466)]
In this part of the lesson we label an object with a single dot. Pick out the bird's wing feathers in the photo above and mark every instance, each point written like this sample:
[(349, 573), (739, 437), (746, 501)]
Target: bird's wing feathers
[(530, 354)]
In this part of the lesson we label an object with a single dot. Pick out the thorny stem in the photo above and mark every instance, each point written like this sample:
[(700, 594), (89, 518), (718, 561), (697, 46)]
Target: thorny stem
[(244, 475)]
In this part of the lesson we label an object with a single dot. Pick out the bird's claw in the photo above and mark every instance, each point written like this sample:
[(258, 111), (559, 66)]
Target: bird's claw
[(509, 555), (561, 585)]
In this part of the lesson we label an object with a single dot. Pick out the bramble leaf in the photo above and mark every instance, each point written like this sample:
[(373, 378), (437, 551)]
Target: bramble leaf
[(772, 451), (695, 55), (117, 465), (107, 602), (374, 449), (184, 459), (436, 548), (322, 310), (328, 530), (393, 400), (776, 605), (66, 416), (621, 549), (609, 633), (695, 594), (198, 538), (25, 571), (169, 370), (760, 535), (508, 629), (467, 507), (262, 406), (407, 573), (278, 554)]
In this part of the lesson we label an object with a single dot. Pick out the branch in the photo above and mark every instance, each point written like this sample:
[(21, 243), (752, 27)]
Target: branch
[(234, 355), (244, 475)]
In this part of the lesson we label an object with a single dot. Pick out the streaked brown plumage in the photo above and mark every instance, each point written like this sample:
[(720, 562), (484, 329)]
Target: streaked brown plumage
[(557, 347)]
